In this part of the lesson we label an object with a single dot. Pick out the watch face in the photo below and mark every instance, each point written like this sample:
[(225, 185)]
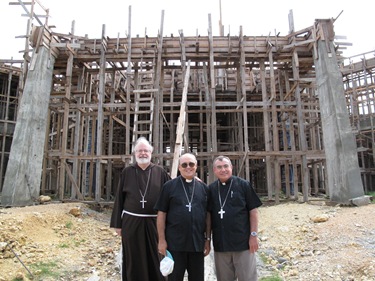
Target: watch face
[(254, 233)]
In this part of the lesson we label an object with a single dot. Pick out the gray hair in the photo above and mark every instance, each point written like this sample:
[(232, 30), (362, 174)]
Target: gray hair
[(144, 141), (221, 158)]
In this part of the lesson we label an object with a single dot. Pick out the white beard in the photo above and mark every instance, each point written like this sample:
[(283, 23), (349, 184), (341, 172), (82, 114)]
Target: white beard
[(143, 160)]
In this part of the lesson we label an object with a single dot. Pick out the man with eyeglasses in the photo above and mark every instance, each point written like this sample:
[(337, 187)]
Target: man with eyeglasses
[(233, 205), (183, 221), (134, 217)]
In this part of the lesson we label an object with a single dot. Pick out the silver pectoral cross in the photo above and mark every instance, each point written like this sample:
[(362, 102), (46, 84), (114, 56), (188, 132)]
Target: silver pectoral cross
[(143, 201), (189, 206), (221, 213)]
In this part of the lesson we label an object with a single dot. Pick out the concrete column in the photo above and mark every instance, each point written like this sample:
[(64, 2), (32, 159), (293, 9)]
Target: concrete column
[(344, 178), (24, 170)]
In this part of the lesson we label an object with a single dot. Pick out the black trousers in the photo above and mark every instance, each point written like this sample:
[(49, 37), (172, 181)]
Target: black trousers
[(192, 262)]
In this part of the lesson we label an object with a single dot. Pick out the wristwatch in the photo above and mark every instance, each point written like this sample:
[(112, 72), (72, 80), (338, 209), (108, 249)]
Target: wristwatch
[(254, 233)]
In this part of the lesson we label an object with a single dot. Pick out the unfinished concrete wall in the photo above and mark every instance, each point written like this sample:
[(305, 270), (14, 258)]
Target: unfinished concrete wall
[(23, 174), (344, 178)]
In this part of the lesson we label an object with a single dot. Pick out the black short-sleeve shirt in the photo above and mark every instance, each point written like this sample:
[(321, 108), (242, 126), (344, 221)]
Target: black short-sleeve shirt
[(184, 230), (238, 198)]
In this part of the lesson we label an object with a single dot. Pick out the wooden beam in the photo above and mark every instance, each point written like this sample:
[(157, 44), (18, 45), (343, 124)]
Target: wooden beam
[(180, 125)]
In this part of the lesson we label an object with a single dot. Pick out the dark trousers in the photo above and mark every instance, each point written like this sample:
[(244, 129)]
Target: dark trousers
[(193, 262)]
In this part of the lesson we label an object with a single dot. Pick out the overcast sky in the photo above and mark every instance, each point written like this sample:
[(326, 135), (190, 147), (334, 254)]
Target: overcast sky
[(256, 17)]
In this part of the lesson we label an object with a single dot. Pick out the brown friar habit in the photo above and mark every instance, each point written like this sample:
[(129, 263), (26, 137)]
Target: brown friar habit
[(139, 234)]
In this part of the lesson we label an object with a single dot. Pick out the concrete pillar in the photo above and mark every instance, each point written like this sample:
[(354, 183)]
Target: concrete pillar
[(344, 178), (23, 175)]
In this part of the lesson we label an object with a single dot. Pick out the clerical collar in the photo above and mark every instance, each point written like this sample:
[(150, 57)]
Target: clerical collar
[(225, 183), (187, 180)]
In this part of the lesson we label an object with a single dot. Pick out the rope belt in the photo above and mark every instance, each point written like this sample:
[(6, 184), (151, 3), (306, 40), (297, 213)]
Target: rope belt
[(139, 215)]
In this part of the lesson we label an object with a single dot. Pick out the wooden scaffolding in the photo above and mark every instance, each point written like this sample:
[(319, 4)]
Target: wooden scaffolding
[(251, 98)]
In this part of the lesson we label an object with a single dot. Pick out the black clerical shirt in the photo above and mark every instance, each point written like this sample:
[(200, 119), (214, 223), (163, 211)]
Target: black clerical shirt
[(231, 230), (184, 229)]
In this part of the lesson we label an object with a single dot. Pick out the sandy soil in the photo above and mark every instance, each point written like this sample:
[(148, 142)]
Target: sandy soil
[(73, 241)]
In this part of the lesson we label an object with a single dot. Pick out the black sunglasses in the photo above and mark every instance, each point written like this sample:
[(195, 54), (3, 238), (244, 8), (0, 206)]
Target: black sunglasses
[(191, 165)]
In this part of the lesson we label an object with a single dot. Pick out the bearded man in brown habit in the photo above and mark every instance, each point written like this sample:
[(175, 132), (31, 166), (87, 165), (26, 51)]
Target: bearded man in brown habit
[(134, 217)]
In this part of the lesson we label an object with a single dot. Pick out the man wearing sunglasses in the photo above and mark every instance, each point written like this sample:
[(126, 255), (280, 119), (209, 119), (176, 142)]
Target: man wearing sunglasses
[(233, 205), (134, 217), (183, 221)]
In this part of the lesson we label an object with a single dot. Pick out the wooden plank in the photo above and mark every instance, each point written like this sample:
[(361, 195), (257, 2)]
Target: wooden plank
[(180, 125), (158, 100), (212, 87), (74, 183)]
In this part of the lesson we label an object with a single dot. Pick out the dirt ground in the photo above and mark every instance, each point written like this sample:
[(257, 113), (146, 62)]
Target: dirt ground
[(73, 241)]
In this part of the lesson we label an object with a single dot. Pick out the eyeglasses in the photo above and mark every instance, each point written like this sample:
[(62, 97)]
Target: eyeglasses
[(143, 151), (225, 166), (190, 164)]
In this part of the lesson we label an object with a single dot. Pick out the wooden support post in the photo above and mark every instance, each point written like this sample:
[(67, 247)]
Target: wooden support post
[(275, 130), (65, 124), (99, 129), (244, 132), (301, 130), (108, 183), (209, 113), (212, 86), (267, 137), (159, 95), (128, 90)]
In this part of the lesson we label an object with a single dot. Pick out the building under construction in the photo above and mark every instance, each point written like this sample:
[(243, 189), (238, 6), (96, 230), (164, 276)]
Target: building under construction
[(294, 116)]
